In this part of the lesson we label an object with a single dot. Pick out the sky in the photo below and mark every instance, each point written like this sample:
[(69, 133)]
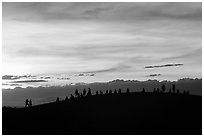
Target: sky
[(64, 43)]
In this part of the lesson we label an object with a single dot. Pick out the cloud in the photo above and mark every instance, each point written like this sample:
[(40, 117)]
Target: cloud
[(161, 66), (154, 75), (13, 77), (63, 78), (9, 84), (29, 81), (84, 74), (178, 11), (45, 77), (9, 77), (91, 74), (39, 12)]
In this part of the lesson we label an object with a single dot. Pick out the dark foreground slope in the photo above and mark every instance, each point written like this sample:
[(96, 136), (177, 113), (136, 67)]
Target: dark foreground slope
[(133, 113)]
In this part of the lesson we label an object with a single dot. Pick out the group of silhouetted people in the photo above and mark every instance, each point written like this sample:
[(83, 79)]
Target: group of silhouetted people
[(171, 90), (84, 93), (28, 103)]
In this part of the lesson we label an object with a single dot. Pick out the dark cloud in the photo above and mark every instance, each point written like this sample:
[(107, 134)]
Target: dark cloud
[(40, 11), (154, 75), (85, 74), (63, 78), (161, 66), (91, 74), (9, 84), (9, 77), (28, 81), (45, 77), (178, 11), (13, 77)]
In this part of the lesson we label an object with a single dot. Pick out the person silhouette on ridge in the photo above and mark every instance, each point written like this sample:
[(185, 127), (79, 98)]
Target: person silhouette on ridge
[(26, 103), (30, 103), (97, 93), (57, 100), (89, 92), (128, 90), (110, 91), (71, 96), (77, 93), (101, 93), (119, 91), (84, 92)]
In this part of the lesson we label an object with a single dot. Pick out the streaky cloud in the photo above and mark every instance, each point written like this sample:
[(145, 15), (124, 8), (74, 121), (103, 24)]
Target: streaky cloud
[(161, 66), (29, 81), (14, 77), (154, 75), (63, 78)]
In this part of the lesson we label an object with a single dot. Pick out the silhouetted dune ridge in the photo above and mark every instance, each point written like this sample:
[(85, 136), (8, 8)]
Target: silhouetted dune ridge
[(112, 112)]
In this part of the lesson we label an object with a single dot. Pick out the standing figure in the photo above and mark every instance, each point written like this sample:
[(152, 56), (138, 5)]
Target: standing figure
[(84, 92), (97, 92), (163, 88), (26, 103), (115, 91), (30, 103), (101, 93), (143, 90), (119, 91), (174, 88), (66, 98), (57, 100), (128, 90), (71, 96), (77, 93), (110, 91)]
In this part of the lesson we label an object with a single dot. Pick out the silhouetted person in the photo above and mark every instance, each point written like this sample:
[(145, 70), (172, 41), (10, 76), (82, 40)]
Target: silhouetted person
[(163, 88), (77, 93), (71, 96), (57, 100), (106, 91), (157, 90), (84, 92), (97, 92), (89, 92), (115, 91), (174, 88), (110, 91), (177, 91), (101, 93), (170, 90), (154, 90), (184, 92), (26, 103), (143, 90), (81, 94), (119, 91), (128, 90), (66, 98), (30, 103)]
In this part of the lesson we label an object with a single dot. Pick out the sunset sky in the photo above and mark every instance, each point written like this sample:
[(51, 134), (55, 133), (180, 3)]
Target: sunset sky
[(60, 43)]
